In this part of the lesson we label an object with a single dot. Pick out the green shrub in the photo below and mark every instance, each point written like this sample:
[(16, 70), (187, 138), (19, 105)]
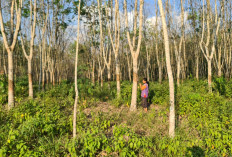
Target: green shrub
[(43, 126), (220, 85), (3, 91), (228, 89), (159, 93)]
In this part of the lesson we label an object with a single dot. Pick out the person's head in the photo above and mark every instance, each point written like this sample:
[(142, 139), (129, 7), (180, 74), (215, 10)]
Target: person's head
[(144, 80)]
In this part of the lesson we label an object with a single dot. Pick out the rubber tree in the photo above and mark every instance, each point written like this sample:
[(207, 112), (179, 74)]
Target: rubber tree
[(10, 45), (101, 61), (75, 73), (115, 41), (33, 10), (169, 71), (132, 45), (205, 49)]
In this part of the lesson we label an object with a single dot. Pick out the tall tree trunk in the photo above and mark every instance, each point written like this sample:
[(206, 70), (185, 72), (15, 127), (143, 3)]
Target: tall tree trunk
[(30, 81), (44, 56), (183, 59), (207, 55), (29, 57), (178, 60), (108, 74), (107, 63), (43, 71), (101, 75), (169, 70), (134, 51), (220, 62), (117, 75), (160, 74), (148, 64), (197, 64), (53, 78), (209, 63), (159, 62), (93, 69), (115, 43), (40, 66), (76, 63), (159, 57), (10, 80), (102, 48), (135, 85), (195, 47), (47, 78), (129, 65), (4, 61), (10, 46)]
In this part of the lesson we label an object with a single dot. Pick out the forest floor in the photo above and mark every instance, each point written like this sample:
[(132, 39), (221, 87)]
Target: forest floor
[(107, 127), (150, 123)]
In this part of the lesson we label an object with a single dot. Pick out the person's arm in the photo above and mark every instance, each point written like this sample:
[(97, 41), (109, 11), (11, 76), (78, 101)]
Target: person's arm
[(142, 87)]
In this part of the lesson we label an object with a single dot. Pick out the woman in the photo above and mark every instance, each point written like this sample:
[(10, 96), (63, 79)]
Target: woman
[(144, 93)]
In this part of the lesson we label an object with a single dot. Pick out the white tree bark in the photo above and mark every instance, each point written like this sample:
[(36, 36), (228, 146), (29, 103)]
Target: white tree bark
[(11, 45), (148, 63), (33, 9), (76, 63), (129, 64), (169, 70), (102, 48), (205, 49), (115, 43), (134, 51)]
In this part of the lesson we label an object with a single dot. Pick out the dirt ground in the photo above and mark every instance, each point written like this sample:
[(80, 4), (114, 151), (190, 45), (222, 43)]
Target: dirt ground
[(154, 122)]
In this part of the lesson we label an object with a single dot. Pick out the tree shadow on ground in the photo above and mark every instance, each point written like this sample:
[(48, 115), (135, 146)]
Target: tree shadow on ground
[(196, 151)]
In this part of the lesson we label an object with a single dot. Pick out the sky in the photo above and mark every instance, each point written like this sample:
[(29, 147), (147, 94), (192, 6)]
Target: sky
[(150, 7), (149, 11)]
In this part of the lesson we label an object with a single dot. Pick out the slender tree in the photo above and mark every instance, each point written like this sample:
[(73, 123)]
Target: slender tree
[(10, 45), (205, 49), (169, 70), (33, 10), (115, 41), (102, 48), (76, 63), (132, 45)]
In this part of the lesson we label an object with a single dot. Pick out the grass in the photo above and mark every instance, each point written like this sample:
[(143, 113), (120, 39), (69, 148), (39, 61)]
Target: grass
[(106, 127)]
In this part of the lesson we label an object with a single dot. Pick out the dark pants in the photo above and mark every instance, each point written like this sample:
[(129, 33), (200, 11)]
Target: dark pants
[(144, 102)]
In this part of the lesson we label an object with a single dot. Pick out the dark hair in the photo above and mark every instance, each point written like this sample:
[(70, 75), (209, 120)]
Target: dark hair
[(145, 79)]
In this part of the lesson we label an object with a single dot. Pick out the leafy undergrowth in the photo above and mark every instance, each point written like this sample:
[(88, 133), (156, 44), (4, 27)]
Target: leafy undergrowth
[(106, 127)]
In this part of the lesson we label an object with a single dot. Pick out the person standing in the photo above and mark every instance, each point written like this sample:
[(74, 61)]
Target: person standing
[(144, 94)]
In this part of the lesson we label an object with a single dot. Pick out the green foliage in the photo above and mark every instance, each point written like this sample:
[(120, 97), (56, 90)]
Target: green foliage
[(3, 91), (21, 87), (208, 114), (43, 126), (159, 93), (228, 89), (126, 91), (220, 85)]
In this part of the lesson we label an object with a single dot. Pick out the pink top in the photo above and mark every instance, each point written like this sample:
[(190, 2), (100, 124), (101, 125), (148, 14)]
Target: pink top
[(144, 92)]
